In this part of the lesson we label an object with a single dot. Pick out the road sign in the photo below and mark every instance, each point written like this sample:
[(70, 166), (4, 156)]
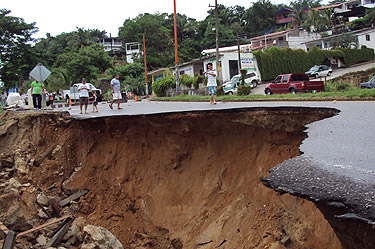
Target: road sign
[(40, 73)]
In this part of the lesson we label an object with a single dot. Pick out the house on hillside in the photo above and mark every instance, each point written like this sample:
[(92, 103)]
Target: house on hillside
[(366, 37), (368, 3), (285, 15), (351, 10), (295, 39), (112, 45), (132, 49)]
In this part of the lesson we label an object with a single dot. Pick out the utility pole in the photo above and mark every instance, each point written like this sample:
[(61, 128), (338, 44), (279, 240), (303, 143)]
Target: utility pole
[(239, 53), (217, 41), (176, 49), (144, 56)]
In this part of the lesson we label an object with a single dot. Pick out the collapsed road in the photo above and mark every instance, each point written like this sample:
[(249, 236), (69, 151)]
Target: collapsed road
[(192, 177)]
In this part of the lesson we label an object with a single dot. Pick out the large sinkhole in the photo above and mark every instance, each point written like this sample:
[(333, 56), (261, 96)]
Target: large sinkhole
[(177, 180)]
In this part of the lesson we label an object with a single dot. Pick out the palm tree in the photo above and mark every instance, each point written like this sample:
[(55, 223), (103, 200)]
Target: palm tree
[(81, 38), (313, 21), (328, 19), (299, 17), (59, 79)]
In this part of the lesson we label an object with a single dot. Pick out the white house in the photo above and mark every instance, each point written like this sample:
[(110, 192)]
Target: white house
[(228, 61), (368, 3), (131, 49), (365, 37), (112, 44), (295, 39)]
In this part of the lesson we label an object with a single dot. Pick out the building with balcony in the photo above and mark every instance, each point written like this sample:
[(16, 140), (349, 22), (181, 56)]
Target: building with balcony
[(294, 39), (112, 45), (284, 16), (365, 37), (132, 50)]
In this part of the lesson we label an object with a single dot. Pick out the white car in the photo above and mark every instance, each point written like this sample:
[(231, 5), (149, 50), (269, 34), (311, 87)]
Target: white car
[(319, 71), (74, 94), (251, 79)]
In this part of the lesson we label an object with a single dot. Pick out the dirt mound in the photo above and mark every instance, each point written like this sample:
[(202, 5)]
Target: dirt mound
[(190, 180)]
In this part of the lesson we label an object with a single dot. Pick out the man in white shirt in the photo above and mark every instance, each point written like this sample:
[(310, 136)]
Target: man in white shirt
[(116, 92), (211, 83), (83, 90)]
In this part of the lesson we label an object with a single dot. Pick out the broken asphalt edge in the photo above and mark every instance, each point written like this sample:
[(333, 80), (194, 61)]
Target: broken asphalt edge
[(302, 99)]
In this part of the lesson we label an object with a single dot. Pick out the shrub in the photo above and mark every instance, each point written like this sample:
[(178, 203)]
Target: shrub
[(219, 91), (186, 80), (197, 80), (343, 87), (243, 90), (163, 84)]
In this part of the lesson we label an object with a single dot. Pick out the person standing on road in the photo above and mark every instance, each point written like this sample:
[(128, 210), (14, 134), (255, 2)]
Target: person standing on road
[(36, 89), (116, 92), (94, 101), (83, 90), (211, 83)]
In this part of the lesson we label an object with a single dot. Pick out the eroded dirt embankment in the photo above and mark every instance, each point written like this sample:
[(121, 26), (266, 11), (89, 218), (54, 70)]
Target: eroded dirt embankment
[(163, 181)]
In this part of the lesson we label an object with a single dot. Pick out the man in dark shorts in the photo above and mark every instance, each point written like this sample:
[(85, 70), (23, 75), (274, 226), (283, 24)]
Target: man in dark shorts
[(83, 90)]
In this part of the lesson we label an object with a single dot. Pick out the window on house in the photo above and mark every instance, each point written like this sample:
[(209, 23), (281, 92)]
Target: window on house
[(182, 72), (281, 38), (367, 37)]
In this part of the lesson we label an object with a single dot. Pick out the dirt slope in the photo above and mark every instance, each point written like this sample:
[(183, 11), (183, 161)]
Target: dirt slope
[(188, 180)]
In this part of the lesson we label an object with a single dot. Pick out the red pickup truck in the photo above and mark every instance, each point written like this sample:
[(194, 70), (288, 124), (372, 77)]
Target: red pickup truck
[(294, 83)]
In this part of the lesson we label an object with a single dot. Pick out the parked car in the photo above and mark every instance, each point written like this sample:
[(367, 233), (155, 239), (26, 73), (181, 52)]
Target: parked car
[(319, 71), (293, 83), (369, 84), (251, 79)]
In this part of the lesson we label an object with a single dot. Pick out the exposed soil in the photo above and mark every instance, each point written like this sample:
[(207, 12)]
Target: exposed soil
[(188, 180)]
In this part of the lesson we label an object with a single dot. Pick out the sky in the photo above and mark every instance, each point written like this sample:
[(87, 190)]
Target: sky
[(56, 17)]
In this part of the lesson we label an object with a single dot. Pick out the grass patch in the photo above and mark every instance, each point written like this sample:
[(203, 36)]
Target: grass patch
[(350, 94)]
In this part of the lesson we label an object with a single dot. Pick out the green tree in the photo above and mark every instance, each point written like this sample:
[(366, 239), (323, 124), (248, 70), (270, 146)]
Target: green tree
[(305, 4), (259, 18), (59, 79), (133, 70), (86, 62), (82, 38), (49, 48), (17, 57), (300, 17), (159, 42)]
